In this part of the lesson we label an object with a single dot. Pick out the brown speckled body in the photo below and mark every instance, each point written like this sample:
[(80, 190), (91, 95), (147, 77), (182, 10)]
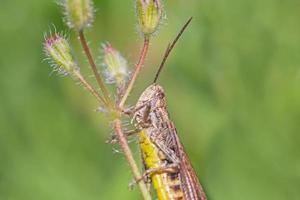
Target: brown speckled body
[(152, 117)]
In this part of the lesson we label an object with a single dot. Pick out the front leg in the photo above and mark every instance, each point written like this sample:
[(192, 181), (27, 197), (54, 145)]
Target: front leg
[(129, 111)]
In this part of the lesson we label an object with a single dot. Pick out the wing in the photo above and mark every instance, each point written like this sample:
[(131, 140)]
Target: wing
[(190, 182)]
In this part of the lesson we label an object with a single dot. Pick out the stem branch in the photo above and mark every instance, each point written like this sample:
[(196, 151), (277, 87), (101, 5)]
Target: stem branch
[(89, 56), (137, 70), (89, 87)]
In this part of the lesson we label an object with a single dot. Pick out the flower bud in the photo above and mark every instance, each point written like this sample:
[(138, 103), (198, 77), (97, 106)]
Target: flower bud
[(149, 13), (116, 65), (79, 13), (58, 52)]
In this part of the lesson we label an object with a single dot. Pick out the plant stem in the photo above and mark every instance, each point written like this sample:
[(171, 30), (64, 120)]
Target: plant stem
[(130, 159), (91, 61), (89, 87), (137, 70)]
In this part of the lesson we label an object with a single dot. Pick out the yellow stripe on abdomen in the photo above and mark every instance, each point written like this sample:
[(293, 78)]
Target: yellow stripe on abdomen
[(166, 184)]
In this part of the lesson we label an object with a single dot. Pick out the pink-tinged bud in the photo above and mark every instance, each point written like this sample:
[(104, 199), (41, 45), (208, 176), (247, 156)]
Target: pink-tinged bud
[(116, 65), (59, 54), (79, 13), (149, 13)]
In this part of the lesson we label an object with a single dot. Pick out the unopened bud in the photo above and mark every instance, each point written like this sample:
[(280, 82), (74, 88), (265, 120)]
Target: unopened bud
[(59, 54), (79, 13), (149, 13), (116, 65)]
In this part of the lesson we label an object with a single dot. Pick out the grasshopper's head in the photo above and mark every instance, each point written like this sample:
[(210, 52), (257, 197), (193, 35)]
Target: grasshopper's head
[(153, 92), (151, 99)]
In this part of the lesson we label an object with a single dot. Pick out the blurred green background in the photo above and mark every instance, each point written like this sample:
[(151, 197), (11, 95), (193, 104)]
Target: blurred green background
[(233, 89)]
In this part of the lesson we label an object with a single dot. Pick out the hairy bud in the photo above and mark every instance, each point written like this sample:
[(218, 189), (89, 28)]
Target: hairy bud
[(58, 53), (149, 13), (79, 13), (116, 65)]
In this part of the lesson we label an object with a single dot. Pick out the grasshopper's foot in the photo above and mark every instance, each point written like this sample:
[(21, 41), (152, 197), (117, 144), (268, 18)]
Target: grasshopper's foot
[(171, 168), (114, 138)]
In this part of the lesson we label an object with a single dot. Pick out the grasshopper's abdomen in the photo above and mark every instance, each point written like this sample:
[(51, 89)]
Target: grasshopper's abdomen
[(166, 183)]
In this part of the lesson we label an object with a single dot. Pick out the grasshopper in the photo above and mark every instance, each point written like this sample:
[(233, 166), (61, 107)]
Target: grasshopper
[(165, 160)]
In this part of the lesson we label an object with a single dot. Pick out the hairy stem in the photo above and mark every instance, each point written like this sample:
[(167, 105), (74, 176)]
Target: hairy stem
[(137, 70), (91, 61), (132, 164), (89, 87)]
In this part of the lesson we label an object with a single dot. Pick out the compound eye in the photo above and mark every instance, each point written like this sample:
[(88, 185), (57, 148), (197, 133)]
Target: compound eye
[(160, 95)]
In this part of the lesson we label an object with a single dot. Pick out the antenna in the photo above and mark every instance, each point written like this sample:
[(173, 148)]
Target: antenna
[(169, 49)]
